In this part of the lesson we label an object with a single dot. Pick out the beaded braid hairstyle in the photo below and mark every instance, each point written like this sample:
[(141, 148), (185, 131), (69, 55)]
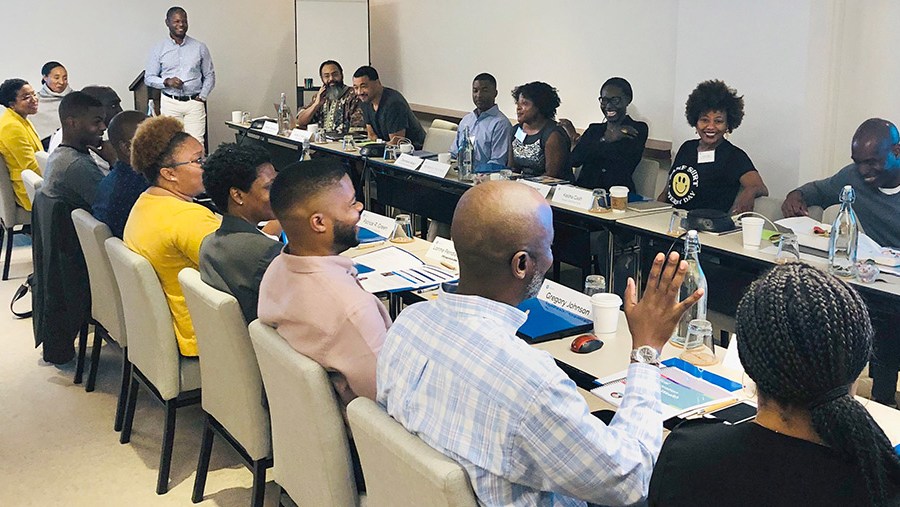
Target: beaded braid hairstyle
[(804, 336)]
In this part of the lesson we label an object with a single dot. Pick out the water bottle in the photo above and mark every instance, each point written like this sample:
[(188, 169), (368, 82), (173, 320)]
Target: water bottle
[(467, 158), (284, 117), (151, 108), (694, 279), (844, 238)]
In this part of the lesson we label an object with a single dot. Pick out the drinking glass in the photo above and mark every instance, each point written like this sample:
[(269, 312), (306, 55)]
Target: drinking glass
[(506, 174), (788, 249), (402, 229), (601, 201), (594, 284), (677, 223), (699, 348), (348, 144)]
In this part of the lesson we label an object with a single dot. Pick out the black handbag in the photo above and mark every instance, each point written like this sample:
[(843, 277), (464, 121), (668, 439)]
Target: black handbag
[(20, 293)]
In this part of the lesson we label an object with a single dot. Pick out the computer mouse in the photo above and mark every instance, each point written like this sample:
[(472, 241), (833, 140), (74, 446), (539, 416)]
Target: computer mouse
[(586, 343)]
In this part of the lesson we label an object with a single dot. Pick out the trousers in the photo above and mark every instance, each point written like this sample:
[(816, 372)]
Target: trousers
[(191, 112)]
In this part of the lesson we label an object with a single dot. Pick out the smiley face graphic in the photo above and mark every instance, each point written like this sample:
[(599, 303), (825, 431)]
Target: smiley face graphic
[(681, 184)]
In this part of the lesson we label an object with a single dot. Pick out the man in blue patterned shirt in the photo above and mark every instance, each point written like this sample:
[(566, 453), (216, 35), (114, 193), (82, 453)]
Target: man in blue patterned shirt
[(453, 372)]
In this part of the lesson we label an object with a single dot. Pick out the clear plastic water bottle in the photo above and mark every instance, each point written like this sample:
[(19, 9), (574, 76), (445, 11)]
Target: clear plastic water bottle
[(694, 279), (284, 117), (844, 238), (151, 108), (466, 165)]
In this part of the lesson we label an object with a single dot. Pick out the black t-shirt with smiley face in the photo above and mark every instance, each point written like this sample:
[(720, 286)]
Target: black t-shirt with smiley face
[(707, 185)]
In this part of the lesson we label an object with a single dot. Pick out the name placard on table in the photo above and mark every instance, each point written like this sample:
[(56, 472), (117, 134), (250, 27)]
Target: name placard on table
[(407, 161), (435, 168), (568, 299), (443, 251), (270, 127), (580, 198), (542, 189), (300, 135), (379, 224)]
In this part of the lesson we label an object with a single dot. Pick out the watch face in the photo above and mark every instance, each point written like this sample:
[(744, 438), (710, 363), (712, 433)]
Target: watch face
[(648, 354)]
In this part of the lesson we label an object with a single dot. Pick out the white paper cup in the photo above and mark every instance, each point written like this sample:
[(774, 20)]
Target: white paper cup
[(237, 116), (312, 128), (444, 158), (618, 197), (752, 230), (406, 148), (606, 312)]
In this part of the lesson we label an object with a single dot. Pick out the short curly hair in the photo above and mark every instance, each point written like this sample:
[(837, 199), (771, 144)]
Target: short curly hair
[(715, 95), (9, 89), (544, 97), (154, 142), (232, 166)]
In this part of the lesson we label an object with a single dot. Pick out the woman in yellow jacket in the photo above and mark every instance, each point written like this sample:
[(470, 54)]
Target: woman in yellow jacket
[(18, 139)]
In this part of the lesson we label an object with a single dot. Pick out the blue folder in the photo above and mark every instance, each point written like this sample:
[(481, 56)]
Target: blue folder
[(548, 322), (366, 236)]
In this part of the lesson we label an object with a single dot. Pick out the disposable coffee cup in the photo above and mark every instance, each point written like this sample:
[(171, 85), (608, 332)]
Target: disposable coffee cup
[(406, 148), (618, 198), (444, 158), (752, 230), (312, 128), (237, 116), (606, 312)]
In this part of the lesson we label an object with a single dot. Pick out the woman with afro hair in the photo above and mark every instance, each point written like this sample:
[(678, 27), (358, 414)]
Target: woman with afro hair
[(710, 172)]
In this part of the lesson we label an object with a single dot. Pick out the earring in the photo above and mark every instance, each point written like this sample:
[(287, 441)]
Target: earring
[(240, 203)]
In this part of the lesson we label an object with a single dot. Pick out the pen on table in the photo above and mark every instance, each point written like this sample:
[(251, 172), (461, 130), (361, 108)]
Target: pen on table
[(370, 245), (450, 265), (710, 408)]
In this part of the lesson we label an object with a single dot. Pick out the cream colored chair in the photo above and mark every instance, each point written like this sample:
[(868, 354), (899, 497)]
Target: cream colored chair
[(42, 158), (33, 183), (645, 176), (309, 439), (106, 301), (173, 380), (11, 216), (438, 140), (769, 207), (232, 387), (444, 124), (401, 470)]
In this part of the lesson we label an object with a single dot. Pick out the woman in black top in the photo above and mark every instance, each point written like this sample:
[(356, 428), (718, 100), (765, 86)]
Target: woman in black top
[(710, 172), (539, 145), (803, 336), (609, 152)]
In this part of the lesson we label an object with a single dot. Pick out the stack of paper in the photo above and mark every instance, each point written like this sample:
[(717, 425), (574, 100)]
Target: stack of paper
[(393, 270)]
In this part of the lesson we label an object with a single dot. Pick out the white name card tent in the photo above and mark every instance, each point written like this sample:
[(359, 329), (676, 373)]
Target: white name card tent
[(573, 196), (379, 224), (435, 168), (270, 127), (542, 189), (407, 161)]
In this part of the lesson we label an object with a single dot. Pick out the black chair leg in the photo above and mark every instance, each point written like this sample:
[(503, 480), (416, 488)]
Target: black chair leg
[(95, 357), (259, 483), (82, 350), (9, 245), (123, 390), (165, 457), (125, 436), (203, 463)]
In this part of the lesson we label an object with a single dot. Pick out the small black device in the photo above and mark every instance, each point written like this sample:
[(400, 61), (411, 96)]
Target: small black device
[(710, 220), (372, 150), (257, 123), (735, 414)]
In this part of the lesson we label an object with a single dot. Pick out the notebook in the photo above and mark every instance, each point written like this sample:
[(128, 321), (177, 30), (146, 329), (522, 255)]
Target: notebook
[(547, 322)]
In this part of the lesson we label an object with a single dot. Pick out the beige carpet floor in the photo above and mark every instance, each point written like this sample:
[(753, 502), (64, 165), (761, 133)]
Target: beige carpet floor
[(57, 444)]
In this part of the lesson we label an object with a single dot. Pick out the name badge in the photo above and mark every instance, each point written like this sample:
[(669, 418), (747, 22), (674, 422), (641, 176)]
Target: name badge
[(270, 127), (542, 189), (434, 168), (407, 161), (706, 157), (520, 135), (566, 298), (573, 196), (379, 224)]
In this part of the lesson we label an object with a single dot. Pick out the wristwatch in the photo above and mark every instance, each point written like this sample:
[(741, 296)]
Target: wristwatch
[(646, 355)]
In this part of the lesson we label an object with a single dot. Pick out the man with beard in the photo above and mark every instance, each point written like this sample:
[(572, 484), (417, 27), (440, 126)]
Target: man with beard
[(309, 292), (72, 175), (386, 112), (335, 107), (453, 372), (105, 154)]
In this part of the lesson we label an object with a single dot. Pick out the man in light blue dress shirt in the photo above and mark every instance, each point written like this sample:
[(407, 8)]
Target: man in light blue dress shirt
[(182, 68), (489, 127), (454, 373)]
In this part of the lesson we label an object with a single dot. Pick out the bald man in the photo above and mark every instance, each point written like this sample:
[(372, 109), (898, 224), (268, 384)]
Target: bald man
[(120, 189), (309, 292), (453, 372), (874, 175)]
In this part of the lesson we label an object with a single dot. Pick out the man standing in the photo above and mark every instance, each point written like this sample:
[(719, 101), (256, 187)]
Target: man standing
[(490, 128), (387, 114), (182, 68), (875, 176), (309, 292), (453, 371), (118, 190), (336, 107)]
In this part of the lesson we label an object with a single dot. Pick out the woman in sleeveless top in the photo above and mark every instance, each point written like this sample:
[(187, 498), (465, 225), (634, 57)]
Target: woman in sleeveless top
[(539, 145)]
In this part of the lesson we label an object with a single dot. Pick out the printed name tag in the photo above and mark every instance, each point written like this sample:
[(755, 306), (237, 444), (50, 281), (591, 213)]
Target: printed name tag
[(566, 298), (407, 161), (270, 127), (573, 196), (706, 157), (300, 135), (542, 189), (442, 250), (435, 168), (379, 224), (520, 135)]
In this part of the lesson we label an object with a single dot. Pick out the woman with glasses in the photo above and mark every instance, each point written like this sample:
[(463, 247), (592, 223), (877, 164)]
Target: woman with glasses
[(609, 152), (18, 139), (165, 226)]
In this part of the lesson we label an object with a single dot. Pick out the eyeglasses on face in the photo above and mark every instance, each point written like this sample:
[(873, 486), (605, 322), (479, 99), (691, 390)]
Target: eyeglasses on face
[(616, 101), (199, 161)]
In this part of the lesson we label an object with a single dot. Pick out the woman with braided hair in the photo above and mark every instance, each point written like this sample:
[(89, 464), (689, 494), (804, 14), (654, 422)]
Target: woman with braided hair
[(804, 337)]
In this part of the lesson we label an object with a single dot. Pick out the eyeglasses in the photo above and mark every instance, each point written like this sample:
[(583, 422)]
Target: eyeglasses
[(199, 161), (28, 96), (616, 101)]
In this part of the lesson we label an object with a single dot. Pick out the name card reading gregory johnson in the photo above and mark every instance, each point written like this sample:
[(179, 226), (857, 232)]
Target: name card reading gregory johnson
[(542, 189), (270, 127), (435, 168), (379, 224), (443, 250), (573, 196), (300, 135), (568, 299), (407, 161)]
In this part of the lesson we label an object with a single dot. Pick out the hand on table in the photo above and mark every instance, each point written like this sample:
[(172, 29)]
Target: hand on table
[(794, 205), (652, 320)]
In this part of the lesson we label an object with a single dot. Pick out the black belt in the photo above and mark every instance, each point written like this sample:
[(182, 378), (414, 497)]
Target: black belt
[(181, 98)]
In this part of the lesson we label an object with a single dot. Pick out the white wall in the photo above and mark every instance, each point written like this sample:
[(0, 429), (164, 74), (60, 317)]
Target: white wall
[(107, 42)]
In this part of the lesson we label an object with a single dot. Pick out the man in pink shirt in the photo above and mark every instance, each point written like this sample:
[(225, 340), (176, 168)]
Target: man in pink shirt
[(309, 292)]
